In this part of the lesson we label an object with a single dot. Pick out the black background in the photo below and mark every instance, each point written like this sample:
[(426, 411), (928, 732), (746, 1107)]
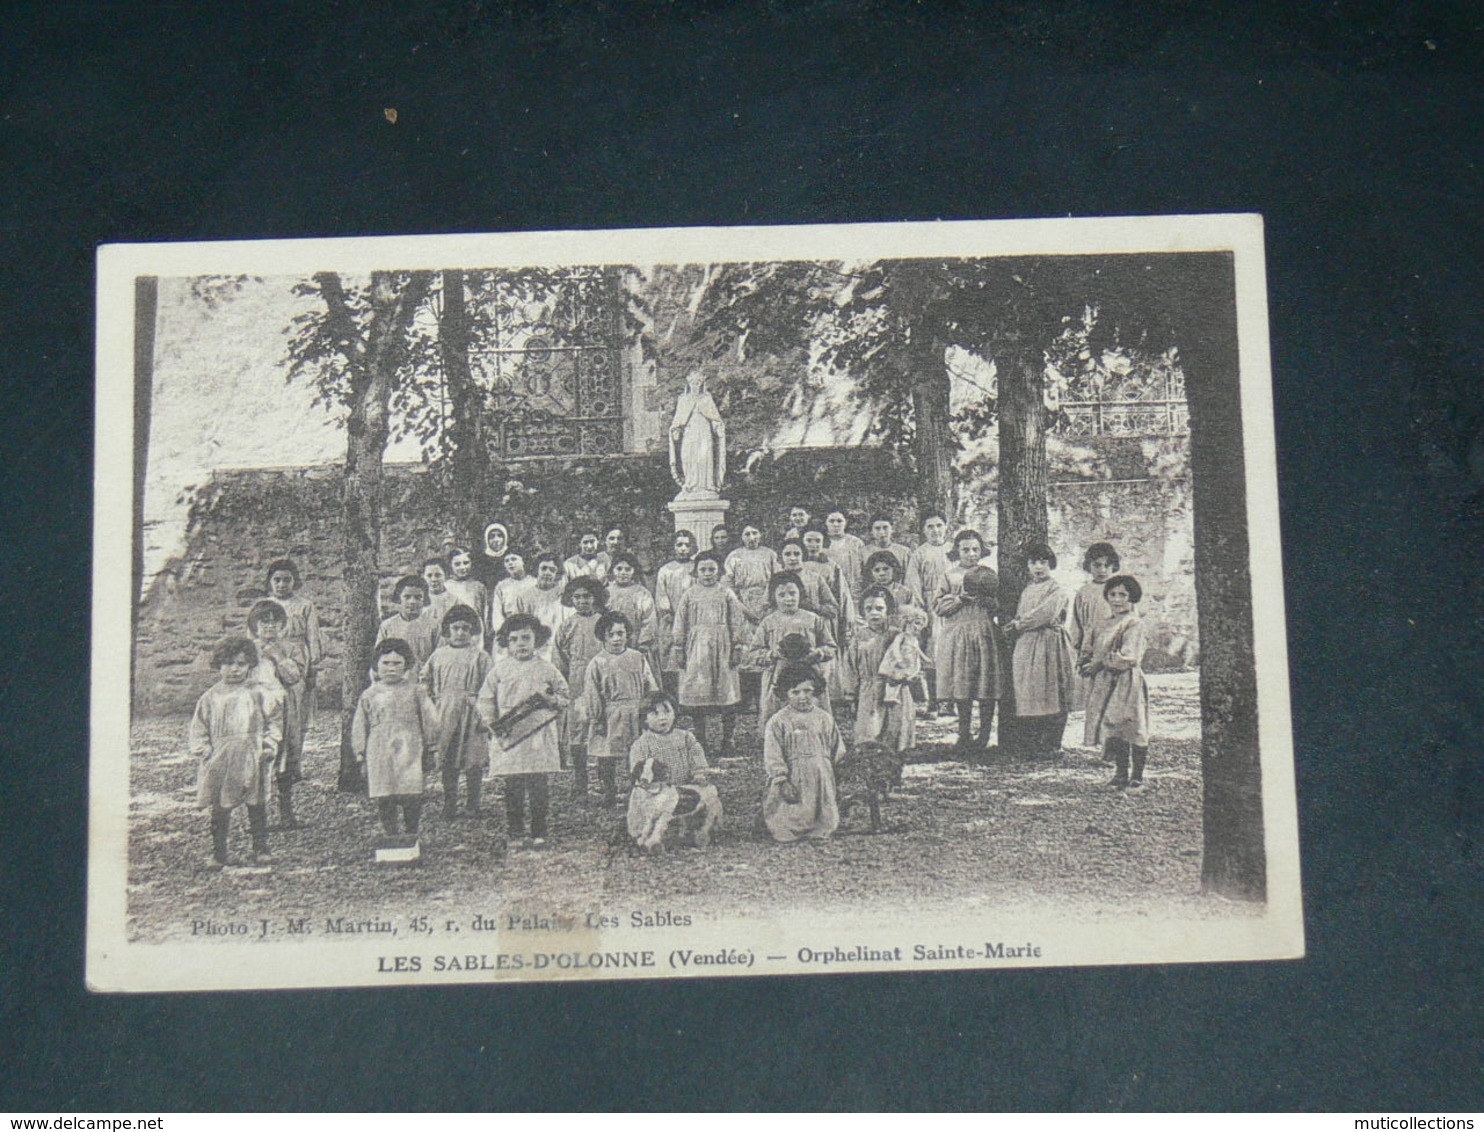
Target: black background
[(1354, 128)]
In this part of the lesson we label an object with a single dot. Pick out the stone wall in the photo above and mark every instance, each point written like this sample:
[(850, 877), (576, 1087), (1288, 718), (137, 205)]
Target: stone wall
[(242, 520)]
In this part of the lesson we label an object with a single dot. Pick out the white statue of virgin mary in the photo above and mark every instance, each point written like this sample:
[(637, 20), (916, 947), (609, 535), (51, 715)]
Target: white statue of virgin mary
[(698, 441)]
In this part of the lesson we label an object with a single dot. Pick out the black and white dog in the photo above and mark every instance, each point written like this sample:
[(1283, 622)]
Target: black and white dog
[(688, 814)]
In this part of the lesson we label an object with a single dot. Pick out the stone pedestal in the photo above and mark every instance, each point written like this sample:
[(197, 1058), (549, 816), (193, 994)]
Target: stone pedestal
[(699, 516)]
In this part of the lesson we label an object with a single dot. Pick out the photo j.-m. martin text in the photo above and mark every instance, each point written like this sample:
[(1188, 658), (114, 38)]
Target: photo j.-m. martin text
[(679, 602)]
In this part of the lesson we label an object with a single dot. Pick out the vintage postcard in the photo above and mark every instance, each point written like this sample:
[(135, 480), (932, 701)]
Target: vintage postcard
[(671, 603)]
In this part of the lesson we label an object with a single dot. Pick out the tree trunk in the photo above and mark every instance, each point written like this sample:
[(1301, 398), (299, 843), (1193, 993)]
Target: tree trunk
[(1021, 503), (1235, 861), (468, 453), (374, 365), (937, 490)]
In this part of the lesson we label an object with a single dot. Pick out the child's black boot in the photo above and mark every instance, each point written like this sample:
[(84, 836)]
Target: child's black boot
[(515, 810), (221, 822), (986, 721), (412, 815), (286, 818), (1141, 755), (608, 781), (386, 810), (579, 773), (1119, 750), (451, 792), (474, 781), (257, 824)]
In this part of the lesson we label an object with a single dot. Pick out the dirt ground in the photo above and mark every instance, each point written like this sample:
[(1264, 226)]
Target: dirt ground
[(966, 835)]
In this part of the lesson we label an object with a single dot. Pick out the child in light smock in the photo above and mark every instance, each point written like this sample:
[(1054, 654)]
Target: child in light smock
[(521, 700), (1118, 702), (235, 733), (801, 746)]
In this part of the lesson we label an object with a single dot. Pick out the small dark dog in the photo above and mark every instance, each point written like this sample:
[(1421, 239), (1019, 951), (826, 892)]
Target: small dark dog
[(655, 807), (868, 775)]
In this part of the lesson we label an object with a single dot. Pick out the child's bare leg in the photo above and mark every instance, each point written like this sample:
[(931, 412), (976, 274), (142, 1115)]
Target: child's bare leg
[(539, 789), (728, 729)]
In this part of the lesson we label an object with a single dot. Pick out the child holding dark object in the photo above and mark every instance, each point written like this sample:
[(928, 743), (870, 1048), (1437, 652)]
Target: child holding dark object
[(1089, 608), (788, 635), (235, 733), (801, 746), (967, 656), (1118, 701), (303, 626), (453, 677), (710, 629), (280, 671), (1042, 667), (577, 642), (617, 681), (408, 624), (520, 703), (393, 734)]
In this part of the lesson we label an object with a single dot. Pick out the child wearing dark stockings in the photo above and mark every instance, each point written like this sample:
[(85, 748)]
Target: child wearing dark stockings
[(393, 734), (617, 681), (1042, 666), (710, 630), (521, 702), (235, 733), (576, 645), (1118, 700), (453, 676)]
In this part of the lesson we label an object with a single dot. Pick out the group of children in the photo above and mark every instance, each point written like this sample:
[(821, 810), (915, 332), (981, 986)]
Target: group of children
[(581, 665)]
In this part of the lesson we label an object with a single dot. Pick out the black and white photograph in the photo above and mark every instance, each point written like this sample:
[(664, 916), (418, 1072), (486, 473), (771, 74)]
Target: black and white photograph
[(688, 602)]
